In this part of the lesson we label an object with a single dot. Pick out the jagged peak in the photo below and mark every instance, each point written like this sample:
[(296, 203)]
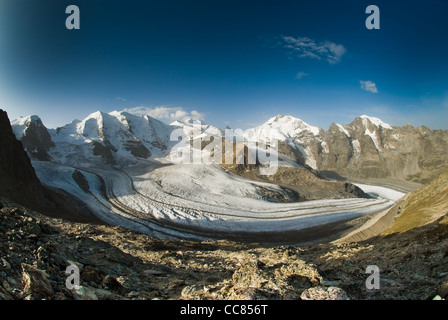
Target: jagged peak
[(188, 122), (376, 121), (92, 124), (125, 114), (176, 123), (97, 114), (280, 117), (342, 129), (26, 120), (100, 117), (21, 124), (290, 124)]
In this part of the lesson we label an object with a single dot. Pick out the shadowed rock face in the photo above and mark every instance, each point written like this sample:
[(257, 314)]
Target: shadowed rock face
[(18, 178), (104, 152), (137, 149), (37, 141)]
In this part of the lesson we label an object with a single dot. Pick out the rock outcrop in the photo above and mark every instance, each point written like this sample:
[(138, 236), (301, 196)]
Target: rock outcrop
[(34, 136)]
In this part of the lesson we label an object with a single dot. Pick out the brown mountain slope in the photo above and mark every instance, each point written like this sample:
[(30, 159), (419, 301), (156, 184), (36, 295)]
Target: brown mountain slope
[(426, 207), (423, 206)]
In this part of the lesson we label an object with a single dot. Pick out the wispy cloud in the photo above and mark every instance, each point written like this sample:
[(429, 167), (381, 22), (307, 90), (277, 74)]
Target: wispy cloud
[(301, 75), (304, 47), (167, 113), (369, 86)]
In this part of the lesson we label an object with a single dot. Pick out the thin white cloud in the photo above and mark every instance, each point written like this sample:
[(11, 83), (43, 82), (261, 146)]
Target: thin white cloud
[(301, 75), (305, 47), (195, 115), (368, 86), (167, 113)]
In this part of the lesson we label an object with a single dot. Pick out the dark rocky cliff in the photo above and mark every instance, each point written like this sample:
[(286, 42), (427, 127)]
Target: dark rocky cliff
[(18, 178)]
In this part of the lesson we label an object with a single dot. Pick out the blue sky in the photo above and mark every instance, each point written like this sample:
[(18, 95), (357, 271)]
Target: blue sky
[(229, 62)]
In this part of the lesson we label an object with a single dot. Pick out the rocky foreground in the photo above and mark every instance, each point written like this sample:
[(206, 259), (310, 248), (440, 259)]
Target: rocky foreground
[(118, 264)]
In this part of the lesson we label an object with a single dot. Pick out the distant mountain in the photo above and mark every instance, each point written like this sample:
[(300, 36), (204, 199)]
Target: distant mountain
[(297, 138), (111, 138), (370, 148), (366, 148)]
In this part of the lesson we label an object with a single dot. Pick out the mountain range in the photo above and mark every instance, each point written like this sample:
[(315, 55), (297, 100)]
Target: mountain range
[(366, 148), (118, 168)]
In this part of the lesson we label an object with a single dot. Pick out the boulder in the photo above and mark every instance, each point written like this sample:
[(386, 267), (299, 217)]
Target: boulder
[(83, 293), (324, 293), (35, 281), (442, 289)]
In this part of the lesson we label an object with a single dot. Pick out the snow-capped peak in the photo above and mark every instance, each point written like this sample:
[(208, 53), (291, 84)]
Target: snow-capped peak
[(274, 119), (376, 121), (289, 126), (20, 125), (26, 119), (90, 126), (177, 123), (191, 127)]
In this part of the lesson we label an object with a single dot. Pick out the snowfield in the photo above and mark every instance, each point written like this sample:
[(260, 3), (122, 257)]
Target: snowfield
[(202, 201)]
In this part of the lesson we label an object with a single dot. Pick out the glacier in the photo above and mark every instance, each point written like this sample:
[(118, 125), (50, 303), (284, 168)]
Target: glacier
[(132, 182)]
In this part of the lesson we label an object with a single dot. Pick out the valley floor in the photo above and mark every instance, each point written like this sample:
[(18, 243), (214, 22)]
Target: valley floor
[(116, 263)]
